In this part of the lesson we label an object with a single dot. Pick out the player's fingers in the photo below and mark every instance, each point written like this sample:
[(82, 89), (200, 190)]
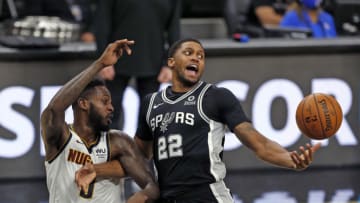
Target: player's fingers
[(127, 49), (115, 45), (119, 52), (124, 43), (309, 151), (77, 183), (316, 147), (305, 156), (295, 158), (302, 150), (77, 178), (85, 188), (299, 162), (88, 166)]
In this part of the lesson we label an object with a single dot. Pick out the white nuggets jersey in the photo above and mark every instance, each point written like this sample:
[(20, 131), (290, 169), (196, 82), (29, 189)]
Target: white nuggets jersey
[(61, 170)]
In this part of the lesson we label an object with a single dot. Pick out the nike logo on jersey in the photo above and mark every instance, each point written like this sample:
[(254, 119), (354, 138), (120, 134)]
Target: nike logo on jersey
[(157, 105), (78, 141)]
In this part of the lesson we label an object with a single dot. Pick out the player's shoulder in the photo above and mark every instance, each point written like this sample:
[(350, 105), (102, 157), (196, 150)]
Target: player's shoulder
[(118, 135), (120, 142), (147, 97), (214, 90)]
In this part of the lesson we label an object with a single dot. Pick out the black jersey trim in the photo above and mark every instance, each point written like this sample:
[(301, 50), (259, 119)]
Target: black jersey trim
[(61, 149), (167, 100)]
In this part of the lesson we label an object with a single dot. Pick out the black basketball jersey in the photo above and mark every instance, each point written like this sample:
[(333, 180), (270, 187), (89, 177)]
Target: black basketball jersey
[(187, 144)]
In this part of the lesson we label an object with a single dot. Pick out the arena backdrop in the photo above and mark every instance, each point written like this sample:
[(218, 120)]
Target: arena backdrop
[(268, 87)]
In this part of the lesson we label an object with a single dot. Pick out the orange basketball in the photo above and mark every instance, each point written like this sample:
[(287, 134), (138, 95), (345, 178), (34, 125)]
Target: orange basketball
[(318, 116)]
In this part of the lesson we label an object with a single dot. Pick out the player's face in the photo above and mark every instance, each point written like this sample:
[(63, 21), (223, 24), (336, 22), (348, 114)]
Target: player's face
[(188, 63), (101, 109)]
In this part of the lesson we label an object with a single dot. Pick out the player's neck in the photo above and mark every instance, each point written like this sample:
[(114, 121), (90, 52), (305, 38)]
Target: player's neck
[(84, 131), (179, 87)]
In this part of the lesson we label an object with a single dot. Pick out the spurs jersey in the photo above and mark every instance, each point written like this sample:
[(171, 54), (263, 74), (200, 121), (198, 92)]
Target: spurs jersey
[(61, 170), (188, 144)]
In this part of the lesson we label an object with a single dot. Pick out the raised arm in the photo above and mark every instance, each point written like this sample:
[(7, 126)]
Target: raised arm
[(53, 126), (271, 151)]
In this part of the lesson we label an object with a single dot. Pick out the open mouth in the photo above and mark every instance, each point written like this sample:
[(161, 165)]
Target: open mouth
[(109, 118), (192, 69)]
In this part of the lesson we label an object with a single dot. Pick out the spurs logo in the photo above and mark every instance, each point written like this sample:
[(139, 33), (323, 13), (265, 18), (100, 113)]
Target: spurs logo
[(168, 118)]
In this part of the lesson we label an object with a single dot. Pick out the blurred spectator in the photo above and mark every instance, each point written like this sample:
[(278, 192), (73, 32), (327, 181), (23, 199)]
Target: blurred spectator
[(309, 15), (152, 24), (252, 16), (236, 15), (268, 12), (79, 11)]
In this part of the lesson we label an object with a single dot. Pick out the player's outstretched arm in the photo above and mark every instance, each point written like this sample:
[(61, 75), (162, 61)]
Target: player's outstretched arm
[(272, 152)]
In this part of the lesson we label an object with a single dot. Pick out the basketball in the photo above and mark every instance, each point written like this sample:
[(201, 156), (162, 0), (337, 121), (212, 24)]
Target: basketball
[(318, 116)]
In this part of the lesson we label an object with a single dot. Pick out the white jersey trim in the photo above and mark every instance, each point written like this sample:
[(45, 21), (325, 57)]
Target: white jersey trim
[(167, 100), (150, 107)]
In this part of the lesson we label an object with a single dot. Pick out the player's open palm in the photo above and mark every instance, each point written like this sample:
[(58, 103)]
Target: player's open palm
[(84, 176), (303, 159)]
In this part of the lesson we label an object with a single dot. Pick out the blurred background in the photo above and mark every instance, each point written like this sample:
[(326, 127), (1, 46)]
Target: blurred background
[(268, 66)]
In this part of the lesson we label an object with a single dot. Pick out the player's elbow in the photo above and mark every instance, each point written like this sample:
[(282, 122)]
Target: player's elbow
[(152, 191)]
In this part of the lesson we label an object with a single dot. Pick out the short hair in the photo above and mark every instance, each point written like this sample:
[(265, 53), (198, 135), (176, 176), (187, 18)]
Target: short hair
[(97, 81), (176, 45)]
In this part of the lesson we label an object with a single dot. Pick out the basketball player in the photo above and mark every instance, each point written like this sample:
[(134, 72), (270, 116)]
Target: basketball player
[(89, 140), (183, 129)]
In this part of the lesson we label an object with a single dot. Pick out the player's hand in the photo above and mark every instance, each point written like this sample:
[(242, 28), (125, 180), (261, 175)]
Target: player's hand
[(138, 197), (165, 75), (114, 51), (84, 176), (107, 73), (303, 159)]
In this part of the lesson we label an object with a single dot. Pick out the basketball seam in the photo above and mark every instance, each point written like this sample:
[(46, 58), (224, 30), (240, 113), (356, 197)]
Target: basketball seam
[(318, 113), (335, 112), (302, 119)]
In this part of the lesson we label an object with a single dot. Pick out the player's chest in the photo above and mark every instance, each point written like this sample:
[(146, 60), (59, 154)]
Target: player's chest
[(174, 114), (77, 152)]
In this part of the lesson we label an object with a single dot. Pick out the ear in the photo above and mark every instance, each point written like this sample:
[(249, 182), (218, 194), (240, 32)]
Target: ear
[(83, 103), (171, 62)]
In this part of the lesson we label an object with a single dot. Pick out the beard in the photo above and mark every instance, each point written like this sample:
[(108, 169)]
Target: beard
[(96, 120), (186, 82)]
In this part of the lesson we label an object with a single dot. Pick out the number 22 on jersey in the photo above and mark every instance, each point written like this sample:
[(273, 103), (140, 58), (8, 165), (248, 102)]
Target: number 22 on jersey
[(170, 146)]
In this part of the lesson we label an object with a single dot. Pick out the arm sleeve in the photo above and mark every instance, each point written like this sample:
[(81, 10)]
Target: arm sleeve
[(221, 105), (143, 131)]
